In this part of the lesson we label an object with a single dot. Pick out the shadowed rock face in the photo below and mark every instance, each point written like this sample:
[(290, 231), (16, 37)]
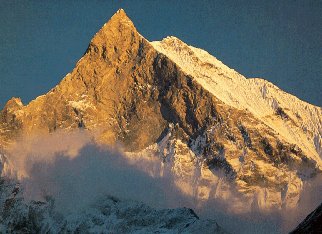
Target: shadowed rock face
[(311, 224), (130, 93)]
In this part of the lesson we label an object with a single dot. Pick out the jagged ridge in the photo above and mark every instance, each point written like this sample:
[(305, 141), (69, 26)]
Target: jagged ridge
[(132, 91)]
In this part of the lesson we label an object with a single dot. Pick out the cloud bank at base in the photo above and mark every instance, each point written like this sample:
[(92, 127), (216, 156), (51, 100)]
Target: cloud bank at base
[(76, 172)]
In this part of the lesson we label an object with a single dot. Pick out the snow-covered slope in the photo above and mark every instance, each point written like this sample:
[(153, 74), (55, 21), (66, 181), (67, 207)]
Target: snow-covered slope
[(194, 178), (221, 135), (296, 121), (106, 215)]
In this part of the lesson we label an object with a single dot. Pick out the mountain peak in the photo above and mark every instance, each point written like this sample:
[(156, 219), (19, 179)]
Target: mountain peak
[(171, 97), (14, 102), (121, 11), (121, 17), (118, 30)]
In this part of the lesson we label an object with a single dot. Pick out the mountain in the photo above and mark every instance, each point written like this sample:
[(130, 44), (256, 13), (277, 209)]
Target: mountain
[(311, 224), (200, 117), (107, 215)]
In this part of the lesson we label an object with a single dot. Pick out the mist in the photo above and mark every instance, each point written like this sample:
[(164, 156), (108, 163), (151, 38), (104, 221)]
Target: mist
[(75, 171)]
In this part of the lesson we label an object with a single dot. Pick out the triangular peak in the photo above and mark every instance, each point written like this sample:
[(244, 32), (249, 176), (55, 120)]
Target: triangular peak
[(120, 17), (14, 103), (120, 12), (120, 25)]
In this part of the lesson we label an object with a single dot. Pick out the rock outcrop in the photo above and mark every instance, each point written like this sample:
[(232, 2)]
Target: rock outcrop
[(184, 105)]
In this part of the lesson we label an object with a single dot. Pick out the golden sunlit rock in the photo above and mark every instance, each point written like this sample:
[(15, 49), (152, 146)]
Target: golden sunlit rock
[(223, 136)]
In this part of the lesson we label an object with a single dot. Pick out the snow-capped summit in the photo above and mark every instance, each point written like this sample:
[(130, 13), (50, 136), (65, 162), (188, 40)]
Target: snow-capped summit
[(301, 122), (200, 117)]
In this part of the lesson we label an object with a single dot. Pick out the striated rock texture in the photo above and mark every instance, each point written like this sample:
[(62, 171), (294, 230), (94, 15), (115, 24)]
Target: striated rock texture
[(204, 119)]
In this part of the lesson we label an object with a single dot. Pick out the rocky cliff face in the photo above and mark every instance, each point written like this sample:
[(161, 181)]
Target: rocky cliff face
[(178, 102)]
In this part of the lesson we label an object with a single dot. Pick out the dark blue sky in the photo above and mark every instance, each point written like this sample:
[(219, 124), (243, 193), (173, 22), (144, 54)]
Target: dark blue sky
[(281, 41)]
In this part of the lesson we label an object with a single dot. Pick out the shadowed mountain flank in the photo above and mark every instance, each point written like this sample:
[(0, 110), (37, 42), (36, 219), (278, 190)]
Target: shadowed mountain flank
[(185, 106), (311, 224)]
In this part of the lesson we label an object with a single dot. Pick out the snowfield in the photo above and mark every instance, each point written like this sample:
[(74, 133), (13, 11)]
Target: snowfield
[(258, 96)]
